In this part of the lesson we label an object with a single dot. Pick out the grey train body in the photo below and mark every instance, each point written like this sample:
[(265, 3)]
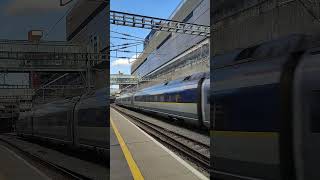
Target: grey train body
[(79, 122), (265, 104), (185, 99)]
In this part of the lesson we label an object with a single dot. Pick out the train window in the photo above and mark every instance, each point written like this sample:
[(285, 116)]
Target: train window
[(173, 98), (166, 98), (315, 111), (178, 98), (170, 98), (161, 98)]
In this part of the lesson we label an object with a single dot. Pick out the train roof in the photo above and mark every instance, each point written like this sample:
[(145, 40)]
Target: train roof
[(275, 48), (177, 82)]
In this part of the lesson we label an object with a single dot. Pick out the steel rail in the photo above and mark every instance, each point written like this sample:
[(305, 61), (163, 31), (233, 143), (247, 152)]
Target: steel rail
[(59, 169)]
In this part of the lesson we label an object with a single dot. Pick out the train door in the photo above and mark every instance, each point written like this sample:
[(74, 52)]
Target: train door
[(205, 102), (306, 106), (75, 133)]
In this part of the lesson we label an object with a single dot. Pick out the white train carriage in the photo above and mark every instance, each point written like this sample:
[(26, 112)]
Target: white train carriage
[(184, 99)]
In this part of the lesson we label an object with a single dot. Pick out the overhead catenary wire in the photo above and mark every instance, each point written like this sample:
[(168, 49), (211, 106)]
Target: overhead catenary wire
[(127, 51), (113, 37), (58, 21), (126, 44), (124, 47), (128, 35)]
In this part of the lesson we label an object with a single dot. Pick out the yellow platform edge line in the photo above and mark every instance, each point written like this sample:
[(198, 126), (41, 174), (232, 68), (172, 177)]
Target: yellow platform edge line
[(135, 171)]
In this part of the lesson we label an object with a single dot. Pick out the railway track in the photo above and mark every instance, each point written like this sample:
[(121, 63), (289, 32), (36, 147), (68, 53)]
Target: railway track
[(61, 170), (196, 152)]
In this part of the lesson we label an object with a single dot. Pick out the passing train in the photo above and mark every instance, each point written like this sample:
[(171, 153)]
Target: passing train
[(78, 122), (184, 99), (265, 105)]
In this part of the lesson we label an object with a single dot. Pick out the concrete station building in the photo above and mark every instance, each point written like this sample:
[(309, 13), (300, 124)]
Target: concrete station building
[(87, 31), (88, 26), (172, 55)]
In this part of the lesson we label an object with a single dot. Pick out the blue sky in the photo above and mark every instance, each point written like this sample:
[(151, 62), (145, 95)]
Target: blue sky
[(155, 8), (19, 16)]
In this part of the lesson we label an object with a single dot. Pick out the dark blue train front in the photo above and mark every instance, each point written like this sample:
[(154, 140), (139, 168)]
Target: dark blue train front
[(262, 107)]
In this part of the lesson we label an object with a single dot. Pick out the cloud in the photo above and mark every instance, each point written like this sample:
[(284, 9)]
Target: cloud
[(32, 7), (124, 61)]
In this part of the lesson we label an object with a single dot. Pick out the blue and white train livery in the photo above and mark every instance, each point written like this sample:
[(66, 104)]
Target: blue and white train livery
[(183, 99)]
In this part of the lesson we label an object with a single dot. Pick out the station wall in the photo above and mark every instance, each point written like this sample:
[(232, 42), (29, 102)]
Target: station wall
[(244, 23), (164, 46), (88, 25)]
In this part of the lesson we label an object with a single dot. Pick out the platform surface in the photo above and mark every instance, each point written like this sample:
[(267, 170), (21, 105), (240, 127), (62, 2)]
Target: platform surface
[(142, 155), (13, 166), (86, 168)]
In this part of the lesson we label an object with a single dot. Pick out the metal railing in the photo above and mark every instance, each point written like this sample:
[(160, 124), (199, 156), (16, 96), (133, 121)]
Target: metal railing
[(48, 61), (147, 22)]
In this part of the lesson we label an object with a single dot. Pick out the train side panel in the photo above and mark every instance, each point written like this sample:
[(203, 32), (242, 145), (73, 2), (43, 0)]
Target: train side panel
[(53, 121), (244, 121), (24, 124), (92, 120), (306, 109), (252, 116), (177, 101)]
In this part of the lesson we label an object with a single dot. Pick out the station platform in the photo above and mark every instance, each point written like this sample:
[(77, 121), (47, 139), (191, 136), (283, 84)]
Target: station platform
[(14, 166), (136, 155)]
